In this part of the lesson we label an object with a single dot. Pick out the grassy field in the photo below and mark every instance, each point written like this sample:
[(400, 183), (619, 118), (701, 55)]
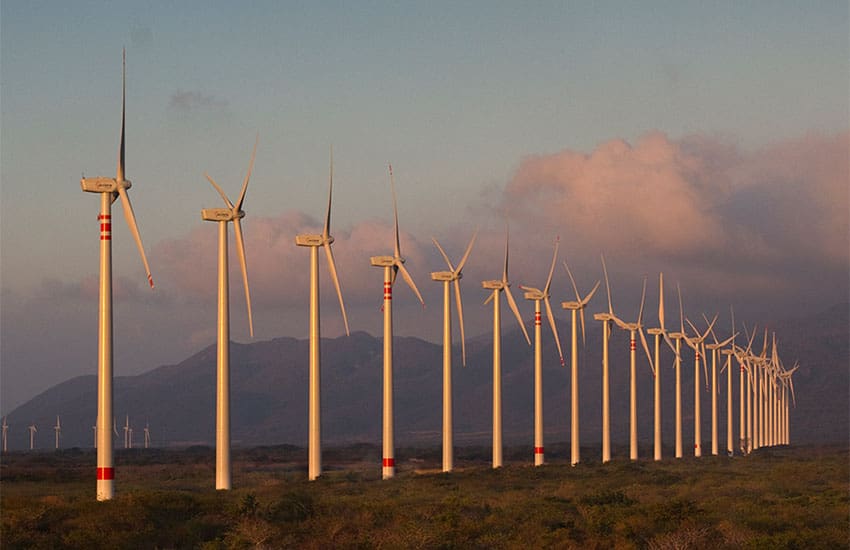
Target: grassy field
[(795, 497)]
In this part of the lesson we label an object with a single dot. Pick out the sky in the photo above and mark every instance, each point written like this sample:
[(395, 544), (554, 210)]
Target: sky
[(706, 140)]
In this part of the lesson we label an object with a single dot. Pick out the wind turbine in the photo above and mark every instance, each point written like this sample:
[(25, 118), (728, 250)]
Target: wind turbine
[(5, 430), (110, 189), (606, 318), (32, 429), (127, 432), (538, 296), (57, 428), (392, 265), (697, 343), (578, 305), (745, 425), (147, 435), (715, 348), (315, 384), (498, 286), (453, 275), (677, 337), (659, 333), (729, 352), (232, 213), (633, 328)]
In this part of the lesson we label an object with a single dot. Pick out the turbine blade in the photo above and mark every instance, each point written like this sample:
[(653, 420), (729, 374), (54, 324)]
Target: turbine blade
[(661, 303), (713, 335), (732, 311), (120, 170), (490, 297), (248, 175), (646, 350), (220, 191), (642, 299), (554, 328), (607, 286), (243, 263), (409, 280), (581, 314), (507, 240), (134, 229), (552, 267), (335, 278), (710, 327), (515, 310), (395, 214), (572, 281), (696, 331), (681, 309), (459, 303), (468, 250), (443, 253), (704, 362), (590, 294), (327, 231)]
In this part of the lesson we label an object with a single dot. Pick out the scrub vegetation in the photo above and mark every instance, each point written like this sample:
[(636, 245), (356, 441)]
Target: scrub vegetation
[(792, 497)]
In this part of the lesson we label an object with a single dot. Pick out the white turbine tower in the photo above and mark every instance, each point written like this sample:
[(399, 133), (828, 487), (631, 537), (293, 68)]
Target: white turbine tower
[(578, 305), (636, 327), (538, 296), (232, 213), (5, 430), (32, 429), (718, 347), (498, 286), (127, 431), (57, 429), (659, 333), (147, 435), (452, 276), (315, 383), (697, 343), (392, 265), (606, 319), (110, 189), (678, 337)]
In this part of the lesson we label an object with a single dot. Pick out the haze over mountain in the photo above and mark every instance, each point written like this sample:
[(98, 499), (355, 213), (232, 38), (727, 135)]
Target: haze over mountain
[(269, 392)]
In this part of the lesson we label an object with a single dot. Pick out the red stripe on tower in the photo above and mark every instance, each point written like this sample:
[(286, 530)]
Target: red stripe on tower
[(388, 291), (632, 344), (537, 318), (389, 463), (106, 473), (538, 450)]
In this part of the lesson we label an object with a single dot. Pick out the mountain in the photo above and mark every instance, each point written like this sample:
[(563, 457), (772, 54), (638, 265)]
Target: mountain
[(269, 392)]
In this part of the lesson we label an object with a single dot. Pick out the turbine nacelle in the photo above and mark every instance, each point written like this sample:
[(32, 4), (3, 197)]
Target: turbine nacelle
[(494, 285), (533, 293), (446, 276), (603, 317), (103, 185), (221, 214), (384, 261), (313, 240), (572, 305)]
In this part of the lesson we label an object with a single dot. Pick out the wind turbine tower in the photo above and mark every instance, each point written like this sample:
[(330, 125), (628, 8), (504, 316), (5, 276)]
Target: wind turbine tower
[(538, 296), (498, 286), (391, 266), (314, 242), (659, 333), (606, 318), (147, 435), (578, 305), (450, 278), (677, 337), (5, 433), (232, 213), (32, 429), (57, 429), (110, 189)]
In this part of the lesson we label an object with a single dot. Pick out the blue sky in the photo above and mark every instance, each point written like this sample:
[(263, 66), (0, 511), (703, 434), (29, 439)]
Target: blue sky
[(458, 97)]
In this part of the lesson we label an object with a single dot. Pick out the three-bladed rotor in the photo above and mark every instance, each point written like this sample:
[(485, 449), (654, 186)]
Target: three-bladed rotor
[(454, 275), (536, 294), (504, 285)]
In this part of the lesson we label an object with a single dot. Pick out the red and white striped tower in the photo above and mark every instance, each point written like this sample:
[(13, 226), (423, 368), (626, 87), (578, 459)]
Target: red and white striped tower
[(391, 265), (109, 190)]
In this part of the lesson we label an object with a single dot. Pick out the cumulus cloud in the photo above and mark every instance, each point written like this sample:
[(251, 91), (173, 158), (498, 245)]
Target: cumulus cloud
[(755, 219)]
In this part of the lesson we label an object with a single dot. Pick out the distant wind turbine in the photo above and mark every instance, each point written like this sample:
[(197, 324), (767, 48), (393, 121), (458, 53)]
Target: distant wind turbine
[(127, 432), (232, 213), (5, 430), (392, 265), (497, 286), (58, 429), (453, 276), (715, 348), (697, 343), (110, 189), (659, 333), (324, 240), (538, 296), (578, 305), (677, 337), (32, 429), (147, 435)]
